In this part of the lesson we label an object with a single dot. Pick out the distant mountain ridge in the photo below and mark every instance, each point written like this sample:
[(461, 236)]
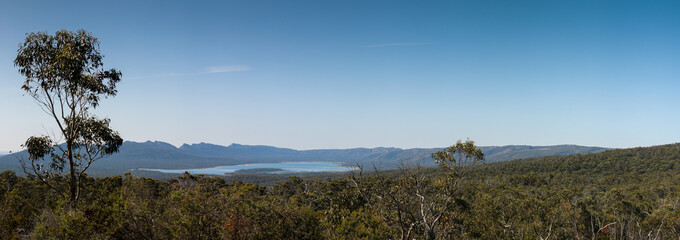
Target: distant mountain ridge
[(492, 153), (156, 154)]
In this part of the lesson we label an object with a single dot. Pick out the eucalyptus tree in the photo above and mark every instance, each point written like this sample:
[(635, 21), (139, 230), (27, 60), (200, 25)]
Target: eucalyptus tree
[(65, 75), (456, 158), (416, 203), (441, 204)]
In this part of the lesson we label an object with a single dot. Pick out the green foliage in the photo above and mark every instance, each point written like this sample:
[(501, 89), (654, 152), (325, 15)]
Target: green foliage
[(64, 74), (526, 199)]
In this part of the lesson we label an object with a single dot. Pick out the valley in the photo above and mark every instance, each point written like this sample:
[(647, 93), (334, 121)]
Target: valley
[(133, 157)]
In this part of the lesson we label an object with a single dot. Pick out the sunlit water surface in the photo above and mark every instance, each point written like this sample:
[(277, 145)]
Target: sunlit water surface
[(285, 167)]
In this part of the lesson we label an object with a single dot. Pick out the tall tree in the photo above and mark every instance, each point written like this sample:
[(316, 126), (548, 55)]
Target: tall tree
[(456, 158), (65, 75), (415, 203)]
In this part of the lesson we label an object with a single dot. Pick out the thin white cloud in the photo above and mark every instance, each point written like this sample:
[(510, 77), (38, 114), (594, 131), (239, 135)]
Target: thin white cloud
[(397, 44), (165, 75), (229, 68), (158, 75)]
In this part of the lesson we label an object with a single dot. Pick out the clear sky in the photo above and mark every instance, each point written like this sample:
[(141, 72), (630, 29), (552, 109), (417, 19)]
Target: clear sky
[(341, 74)]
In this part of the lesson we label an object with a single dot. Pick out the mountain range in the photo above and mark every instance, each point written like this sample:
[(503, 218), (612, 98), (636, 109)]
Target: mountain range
[(160, 155)]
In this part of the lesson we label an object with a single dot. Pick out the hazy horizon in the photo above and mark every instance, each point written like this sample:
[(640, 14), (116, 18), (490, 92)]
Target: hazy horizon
[(324, 75), (178, 145)]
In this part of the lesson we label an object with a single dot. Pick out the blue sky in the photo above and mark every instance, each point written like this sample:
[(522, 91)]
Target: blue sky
[(341, 74)]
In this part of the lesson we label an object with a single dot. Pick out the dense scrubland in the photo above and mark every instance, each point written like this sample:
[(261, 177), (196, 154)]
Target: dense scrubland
[(616, 194)]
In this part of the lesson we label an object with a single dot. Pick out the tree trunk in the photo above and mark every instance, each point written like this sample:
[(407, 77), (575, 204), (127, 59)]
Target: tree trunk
[(73, 184)]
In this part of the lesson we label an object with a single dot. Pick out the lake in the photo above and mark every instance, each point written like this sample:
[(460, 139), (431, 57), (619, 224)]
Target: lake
[(285, 167)]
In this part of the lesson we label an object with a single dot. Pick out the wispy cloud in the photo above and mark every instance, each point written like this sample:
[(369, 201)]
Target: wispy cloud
[(220, 69), (397, 44), (159, 75), (229, 68)]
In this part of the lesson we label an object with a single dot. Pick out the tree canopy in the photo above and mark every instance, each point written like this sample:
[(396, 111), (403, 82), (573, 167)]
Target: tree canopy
[(64, 73)]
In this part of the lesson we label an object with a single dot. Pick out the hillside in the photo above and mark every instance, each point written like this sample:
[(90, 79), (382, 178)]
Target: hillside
[(135, 155), (616, 194), (630, 161), (389, 157)]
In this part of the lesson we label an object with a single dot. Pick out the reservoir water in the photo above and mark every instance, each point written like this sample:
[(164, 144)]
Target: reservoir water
[(284, 167)]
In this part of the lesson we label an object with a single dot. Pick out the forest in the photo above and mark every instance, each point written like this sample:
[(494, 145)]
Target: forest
[(616, 194)]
